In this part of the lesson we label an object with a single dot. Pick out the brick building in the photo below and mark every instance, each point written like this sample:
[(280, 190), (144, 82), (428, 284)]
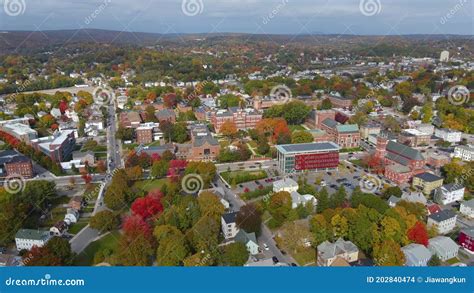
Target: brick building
[(58, 147), (14, 163), (402, 162), (414, 138), (242, 118)]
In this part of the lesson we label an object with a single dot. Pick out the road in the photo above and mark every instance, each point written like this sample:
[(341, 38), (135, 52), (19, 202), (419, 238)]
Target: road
[(82, 239), (266, 236)]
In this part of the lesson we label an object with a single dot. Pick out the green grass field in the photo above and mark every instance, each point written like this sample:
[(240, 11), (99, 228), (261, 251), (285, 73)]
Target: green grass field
[(237, 177), (148, 185), (86, 258)]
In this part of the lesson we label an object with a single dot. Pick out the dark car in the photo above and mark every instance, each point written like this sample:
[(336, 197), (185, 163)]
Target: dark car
[(275, 259), (293, 264), (241, 186)]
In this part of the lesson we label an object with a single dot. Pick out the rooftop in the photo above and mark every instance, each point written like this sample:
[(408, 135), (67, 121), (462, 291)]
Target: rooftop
[(307, 147), (429, 177), (442, 216), (32, 234)]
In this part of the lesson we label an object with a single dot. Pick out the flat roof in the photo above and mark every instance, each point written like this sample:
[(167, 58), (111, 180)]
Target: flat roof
[(307, 147)]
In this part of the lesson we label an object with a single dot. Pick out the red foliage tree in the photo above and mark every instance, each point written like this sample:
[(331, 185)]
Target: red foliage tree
[(63, 106), (149, 206), (87, 178), (135, 225), (170, 100), (155, 158), (418, 234)]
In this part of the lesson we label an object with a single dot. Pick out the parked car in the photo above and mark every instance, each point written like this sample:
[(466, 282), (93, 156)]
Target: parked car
[(275, 259), (265, 246)]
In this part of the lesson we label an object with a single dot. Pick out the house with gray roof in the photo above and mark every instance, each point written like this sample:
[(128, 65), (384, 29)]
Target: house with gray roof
[(27, 238), (328, 252), (249, 239), (444, 221), (443, 247), (449, 193), (467, 208), (229, 225), (416, 255)]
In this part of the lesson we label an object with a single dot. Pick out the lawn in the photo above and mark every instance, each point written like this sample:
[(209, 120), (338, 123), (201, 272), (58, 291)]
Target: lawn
[(75, 228), (294, 128), (86, 258), (148, 185), (256, 193), (237, 177)]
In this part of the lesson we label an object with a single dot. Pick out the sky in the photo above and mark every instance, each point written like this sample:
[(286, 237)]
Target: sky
[(362, 17)]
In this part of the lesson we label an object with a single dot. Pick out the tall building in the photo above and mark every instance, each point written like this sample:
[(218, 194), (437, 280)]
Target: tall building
[(58, 146), (444, 56), (295, 158)]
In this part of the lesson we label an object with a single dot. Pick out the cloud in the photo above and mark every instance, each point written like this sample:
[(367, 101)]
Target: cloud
[(282, 16)]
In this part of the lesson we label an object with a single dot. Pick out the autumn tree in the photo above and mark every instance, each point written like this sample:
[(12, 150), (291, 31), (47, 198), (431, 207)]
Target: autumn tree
[(280, 207), (418, 234), (149, 206), (388, 253), (234, 254), (249, 219), (301, 137), (228, 129), (104, 221)]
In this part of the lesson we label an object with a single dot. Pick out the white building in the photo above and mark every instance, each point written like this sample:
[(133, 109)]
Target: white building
[(249, 240), (464, 152), (444, 221), (287, 184), (229, 226), (416, 255), (444, 56), (71, 217), (27, 238), (426, 128), (449, 193), (449, 135), (467, 208), (298, 199), (444, 247)]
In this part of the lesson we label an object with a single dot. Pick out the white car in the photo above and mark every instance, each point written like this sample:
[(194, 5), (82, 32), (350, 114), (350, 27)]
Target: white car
[(323, 183), (265, 246)]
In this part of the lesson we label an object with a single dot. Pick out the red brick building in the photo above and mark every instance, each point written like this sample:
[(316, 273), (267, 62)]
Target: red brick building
[(402, 162), (144, 134), (242, 118), (466, 239), (14, 163), (340, 102)]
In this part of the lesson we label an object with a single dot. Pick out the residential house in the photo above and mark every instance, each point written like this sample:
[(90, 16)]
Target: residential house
[(449, 193), (416, 255), (229, 225), (467, 208), (27, 238), (58, 229), (76, 203), (449, 135), (444, 221), (166, 115), (328, 252), (72, 216), (299, 199), (443, 247), (464, 152), (427, 182), (287, 184), (250, 241)]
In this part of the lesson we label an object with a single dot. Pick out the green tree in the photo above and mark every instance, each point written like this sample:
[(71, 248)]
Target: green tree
[(234, 254), (280, 207), (301, 137), (388, 253), (104, 221)]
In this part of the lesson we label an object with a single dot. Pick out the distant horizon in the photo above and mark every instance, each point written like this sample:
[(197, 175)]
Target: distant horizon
[(260, 17), (235, 33)]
